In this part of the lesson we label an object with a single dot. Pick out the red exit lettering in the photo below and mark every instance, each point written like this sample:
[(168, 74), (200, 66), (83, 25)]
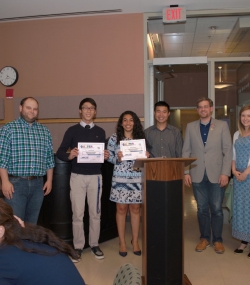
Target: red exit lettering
[(173, 14)]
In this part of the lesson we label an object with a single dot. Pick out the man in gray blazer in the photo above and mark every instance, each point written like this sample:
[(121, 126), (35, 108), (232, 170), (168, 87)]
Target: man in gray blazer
[(209, 141)]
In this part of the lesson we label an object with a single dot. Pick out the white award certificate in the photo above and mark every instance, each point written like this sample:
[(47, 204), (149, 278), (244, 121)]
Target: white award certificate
[(132, 149), (90, 153)]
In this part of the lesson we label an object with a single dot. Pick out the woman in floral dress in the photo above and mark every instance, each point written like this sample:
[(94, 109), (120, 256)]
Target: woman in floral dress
[(241, 172), (126, 182)]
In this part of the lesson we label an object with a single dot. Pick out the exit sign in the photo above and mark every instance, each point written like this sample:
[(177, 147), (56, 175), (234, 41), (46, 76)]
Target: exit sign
[(174, 15)]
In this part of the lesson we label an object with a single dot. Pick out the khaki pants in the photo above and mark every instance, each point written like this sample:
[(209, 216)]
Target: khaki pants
[(82, 185)]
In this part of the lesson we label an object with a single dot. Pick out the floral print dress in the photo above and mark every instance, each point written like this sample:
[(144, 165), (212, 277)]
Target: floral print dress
[(126, 182), (241, 202)]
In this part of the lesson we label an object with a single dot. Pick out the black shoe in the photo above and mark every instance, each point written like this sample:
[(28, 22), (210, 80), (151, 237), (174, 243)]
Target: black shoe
[(138, 252), (79, 253), (238, 251), (248, 256), (123, 253), (97, 252)]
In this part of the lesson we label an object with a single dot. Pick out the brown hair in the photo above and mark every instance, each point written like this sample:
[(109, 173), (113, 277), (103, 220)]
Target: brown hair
[(26, 98), (211, 103), (15, 234), (240, 125)]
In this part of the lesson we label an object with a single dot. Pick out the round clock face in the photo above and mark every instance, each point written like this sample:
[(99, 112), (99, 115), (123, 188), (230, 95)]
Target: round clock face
[(8, 76)]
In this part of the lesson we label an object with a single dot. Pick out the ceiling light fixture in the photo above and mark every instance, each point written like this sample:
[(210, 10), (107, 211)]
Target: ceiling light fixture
[(222, 84)]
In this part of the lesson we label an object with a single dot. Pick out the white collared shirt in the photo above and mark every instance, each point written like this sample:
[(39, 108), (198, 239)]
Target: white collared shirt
[(83, 124)]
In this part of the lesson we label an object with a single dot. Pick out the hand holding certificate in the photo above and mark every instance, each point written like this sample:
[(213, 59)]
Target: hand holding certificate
[(90, 153), (133, 149)]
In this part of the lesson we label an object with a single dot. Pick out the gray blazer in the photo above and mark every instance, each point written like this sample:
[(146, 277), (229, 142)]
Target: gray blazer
[(215, 157)]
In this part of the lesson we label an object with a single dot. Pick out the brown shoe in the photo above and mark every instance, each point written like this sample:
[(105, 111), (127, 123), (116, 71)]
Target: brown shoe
[(218, 247), (202, 245)]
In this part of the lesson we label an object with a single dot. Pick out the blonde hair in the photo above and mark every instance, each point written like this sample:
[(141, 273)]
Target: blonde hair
[(240, 125)]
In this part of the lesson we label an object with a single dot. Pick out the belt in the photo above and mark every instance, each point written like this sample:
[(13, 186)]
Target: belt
[(25, 177)]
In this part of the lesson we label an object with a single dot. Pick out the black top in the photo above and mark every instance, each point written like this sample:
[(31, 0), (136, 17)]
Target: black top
[(77, 134)]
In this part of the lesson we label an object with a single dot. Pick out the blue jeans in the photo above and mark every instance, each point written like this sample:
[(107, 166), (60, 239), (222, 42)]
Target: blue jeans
[(209, 197), (27, 198)]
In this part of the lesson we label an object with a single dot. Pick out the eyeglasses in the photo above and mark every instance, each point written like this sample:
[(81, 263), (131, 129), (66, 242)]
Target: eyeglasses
[(88, 108)]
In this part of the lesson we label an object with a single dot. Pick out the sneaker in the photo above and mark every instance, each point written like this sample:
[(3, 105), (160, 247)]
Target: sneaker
[(97, 252), (79, 253), (218, 247), (202, 245)]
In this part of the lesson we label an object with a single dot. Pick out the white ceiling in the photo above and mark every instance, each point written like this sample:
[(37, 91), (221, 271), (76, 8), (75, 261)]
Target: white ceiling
[(24, 8), (210, 36)]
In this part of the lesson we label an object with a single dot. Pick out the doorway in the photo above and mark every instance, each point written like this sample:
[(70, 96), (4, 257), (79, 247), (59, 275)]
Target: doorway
[(222, 39)]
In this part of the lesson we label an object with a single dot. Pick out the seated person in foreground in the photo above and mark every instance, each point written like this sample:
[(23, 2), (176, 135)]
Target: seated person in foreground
[(31, 254)]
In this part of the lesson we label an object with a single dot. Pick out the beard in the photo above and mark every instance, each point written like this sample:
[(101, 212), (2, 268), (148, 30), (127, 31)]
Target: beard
[(27, 118)]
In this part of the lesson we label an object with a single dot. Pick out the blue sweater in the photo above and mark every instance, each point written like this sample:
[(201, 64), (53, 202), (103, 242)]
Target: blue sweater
[(18, 267), (77, 134)]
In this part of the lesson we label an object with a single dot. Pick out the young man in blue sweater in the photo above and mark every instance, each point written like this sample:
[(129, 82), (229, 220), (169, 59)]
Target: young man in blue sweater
[(86, 178)]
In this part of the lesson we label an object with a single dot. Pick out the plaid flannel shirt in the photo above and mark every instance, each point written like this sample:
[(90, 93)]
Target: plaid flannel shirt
[(26, 150)]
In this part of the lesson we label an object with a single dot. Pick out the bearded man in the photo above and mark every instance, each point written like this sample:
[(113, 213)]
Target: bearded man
[(26, 156)]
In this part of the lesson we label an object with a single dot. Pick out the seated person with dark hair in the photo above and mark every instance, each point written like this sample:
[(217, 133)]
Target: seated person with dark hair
[(31, 254)]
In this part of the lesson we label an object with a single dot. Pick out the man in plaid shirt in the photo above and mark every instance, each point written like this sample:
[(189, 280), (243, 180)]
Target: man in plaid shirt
[(26, 156)]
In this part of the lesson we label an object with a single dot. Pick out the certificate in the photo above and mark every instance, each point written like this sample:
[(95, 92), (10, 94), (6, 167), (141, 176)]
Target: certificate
[(90, 153), (132, 149)]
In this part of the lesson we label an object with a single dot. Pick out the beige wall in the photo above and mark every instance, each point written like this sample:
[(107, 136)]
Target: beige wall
[(75, 56), (79, 56)]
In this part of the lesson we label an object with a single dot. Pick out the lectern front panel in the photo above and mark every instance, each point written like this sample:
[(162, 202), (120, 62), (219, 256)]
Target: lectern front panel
[(164, 232)]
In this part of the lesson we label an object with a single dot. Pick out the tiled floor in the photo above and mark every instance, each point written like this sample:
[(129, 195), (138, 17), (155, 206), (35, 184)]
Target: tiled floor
[(203, 268)]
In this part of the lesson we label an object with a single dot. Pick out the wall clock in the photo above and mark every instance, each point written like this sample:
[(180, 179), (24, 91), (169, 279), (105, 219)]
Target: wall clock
[(8, 76)]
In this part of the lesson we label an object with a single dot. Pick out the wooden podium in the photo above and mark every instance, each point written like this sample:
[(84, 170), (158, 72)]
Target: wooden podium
[(162, 224)]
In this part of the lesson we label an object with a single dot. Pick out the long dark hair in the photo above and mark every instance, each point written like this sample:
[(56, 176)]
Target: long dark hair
[(15, 234), (138, 132)]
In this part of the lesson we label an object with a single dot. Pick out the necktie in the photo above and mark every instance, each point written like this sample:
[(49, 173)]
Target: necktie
[(87, 127)]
